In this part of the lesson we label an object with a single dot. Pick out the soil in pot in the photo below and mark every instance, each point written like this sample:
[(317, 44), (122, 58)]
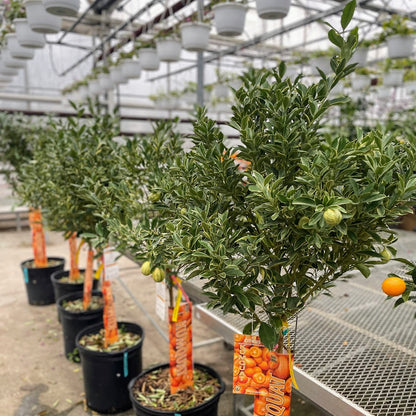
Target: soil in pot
[(150, 395), (107, 371), (74, 318), (39, 287), (63, 286)]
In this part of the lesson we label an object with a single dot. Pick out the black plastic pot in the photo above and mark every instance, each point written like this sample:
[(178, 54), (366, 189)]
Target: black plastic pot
[(74, 322), (65, 288), (38, 281), (208, 408), (107, 374)]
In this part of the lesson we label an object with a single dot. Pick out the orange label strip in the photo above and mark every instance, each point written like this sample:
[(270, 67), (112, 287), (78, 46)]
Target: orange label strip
[(180, 349), (38, 239), (73, 269), (110, 321), (88, 279)]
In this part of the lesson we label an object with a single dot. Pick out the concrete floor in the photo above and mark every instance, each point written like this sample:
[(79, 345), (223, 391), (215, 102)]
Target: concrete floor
[(36, 378)]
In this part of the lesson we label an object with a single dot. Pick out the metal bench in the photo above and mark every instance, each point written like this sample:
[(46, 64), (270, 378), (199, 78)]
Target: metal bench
[(9, 212)]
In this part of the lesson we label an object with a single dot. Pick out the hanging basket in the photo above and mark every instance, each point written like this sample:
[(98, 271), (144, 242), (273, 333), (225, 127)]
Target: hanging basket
[(17, 51), (149, 60), (321, 62), (393, 78), (360, 57), (62, 7), (229, 18), (4, 79), (39, 19), (130, 68), (399, 46), (11, 62), (117, 76), (105, 82), (221, 90), (7, 71), (272, 9), (360, 82), (169, 49), (410, 87), (94, 88), (26, 36), (195, 36)]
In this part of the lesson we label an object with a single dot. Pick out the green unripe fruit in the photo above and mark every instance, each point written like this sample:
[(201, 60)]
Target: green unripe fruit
[(183, 211), (332, 216), (154, 197), (146, 269), (386, 254), (158, 275), (303, 221)]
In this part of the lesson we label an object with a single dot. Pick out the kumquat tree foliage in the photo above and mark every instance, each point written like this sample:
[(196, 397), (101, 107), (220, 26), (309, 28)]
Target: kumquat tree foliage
[(308, 210)]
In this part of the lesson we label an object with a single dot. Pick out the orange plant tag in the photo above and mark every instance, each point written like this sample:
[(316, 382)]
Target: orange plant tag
[(88, 279), (73, 270), (277, 402), (38, 238), (110, 321), (180, 349), (263, 373), (251, 369)]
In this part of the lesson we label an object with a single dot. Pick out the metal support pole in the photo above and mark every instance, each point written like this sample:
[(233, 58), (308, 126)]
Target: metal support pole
[(200, 63)]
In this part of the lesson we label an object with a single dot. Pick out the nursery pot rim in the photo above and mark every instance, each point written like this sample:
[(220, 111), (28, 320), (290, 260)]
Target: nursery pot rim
[(230, 3), (204, 367), (60, 259), (78, 295), (91, 329), (200, 24)]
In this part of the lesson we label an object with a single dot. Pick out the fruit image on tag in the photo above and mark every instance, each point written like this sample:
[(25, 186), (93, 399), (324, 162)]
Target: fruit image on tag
[(180, 349), (252, 365)]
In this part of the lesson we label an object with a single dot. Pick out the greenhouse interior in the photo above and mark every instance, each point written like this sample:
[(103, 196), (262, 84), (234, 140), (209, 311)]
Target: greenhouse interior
[(207, 207)]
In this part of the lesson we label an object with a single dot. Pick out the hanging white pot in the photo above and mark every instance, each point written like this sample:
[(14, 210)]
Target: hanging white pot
[(130, 68), (189, 98), (360, 82), (149, 60), (195, 36), (26, 36), (292, 71), (399, 46), (393, 78), (5, 79), (7, 71), (221, 90), (383, 92), (105, 81), (82, 93), (117, 76), (321, 62), (94, 88), (11, 62), (17, 51), (360, 56), (39, 19), (229, 18), (272, 9), (410, 87), (62, 7), (169, 49)]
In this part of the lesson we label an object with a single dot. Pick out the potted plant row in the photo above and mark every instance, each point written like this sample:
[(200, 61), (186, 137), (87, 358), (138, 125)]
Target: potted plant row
[(268, 237)]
